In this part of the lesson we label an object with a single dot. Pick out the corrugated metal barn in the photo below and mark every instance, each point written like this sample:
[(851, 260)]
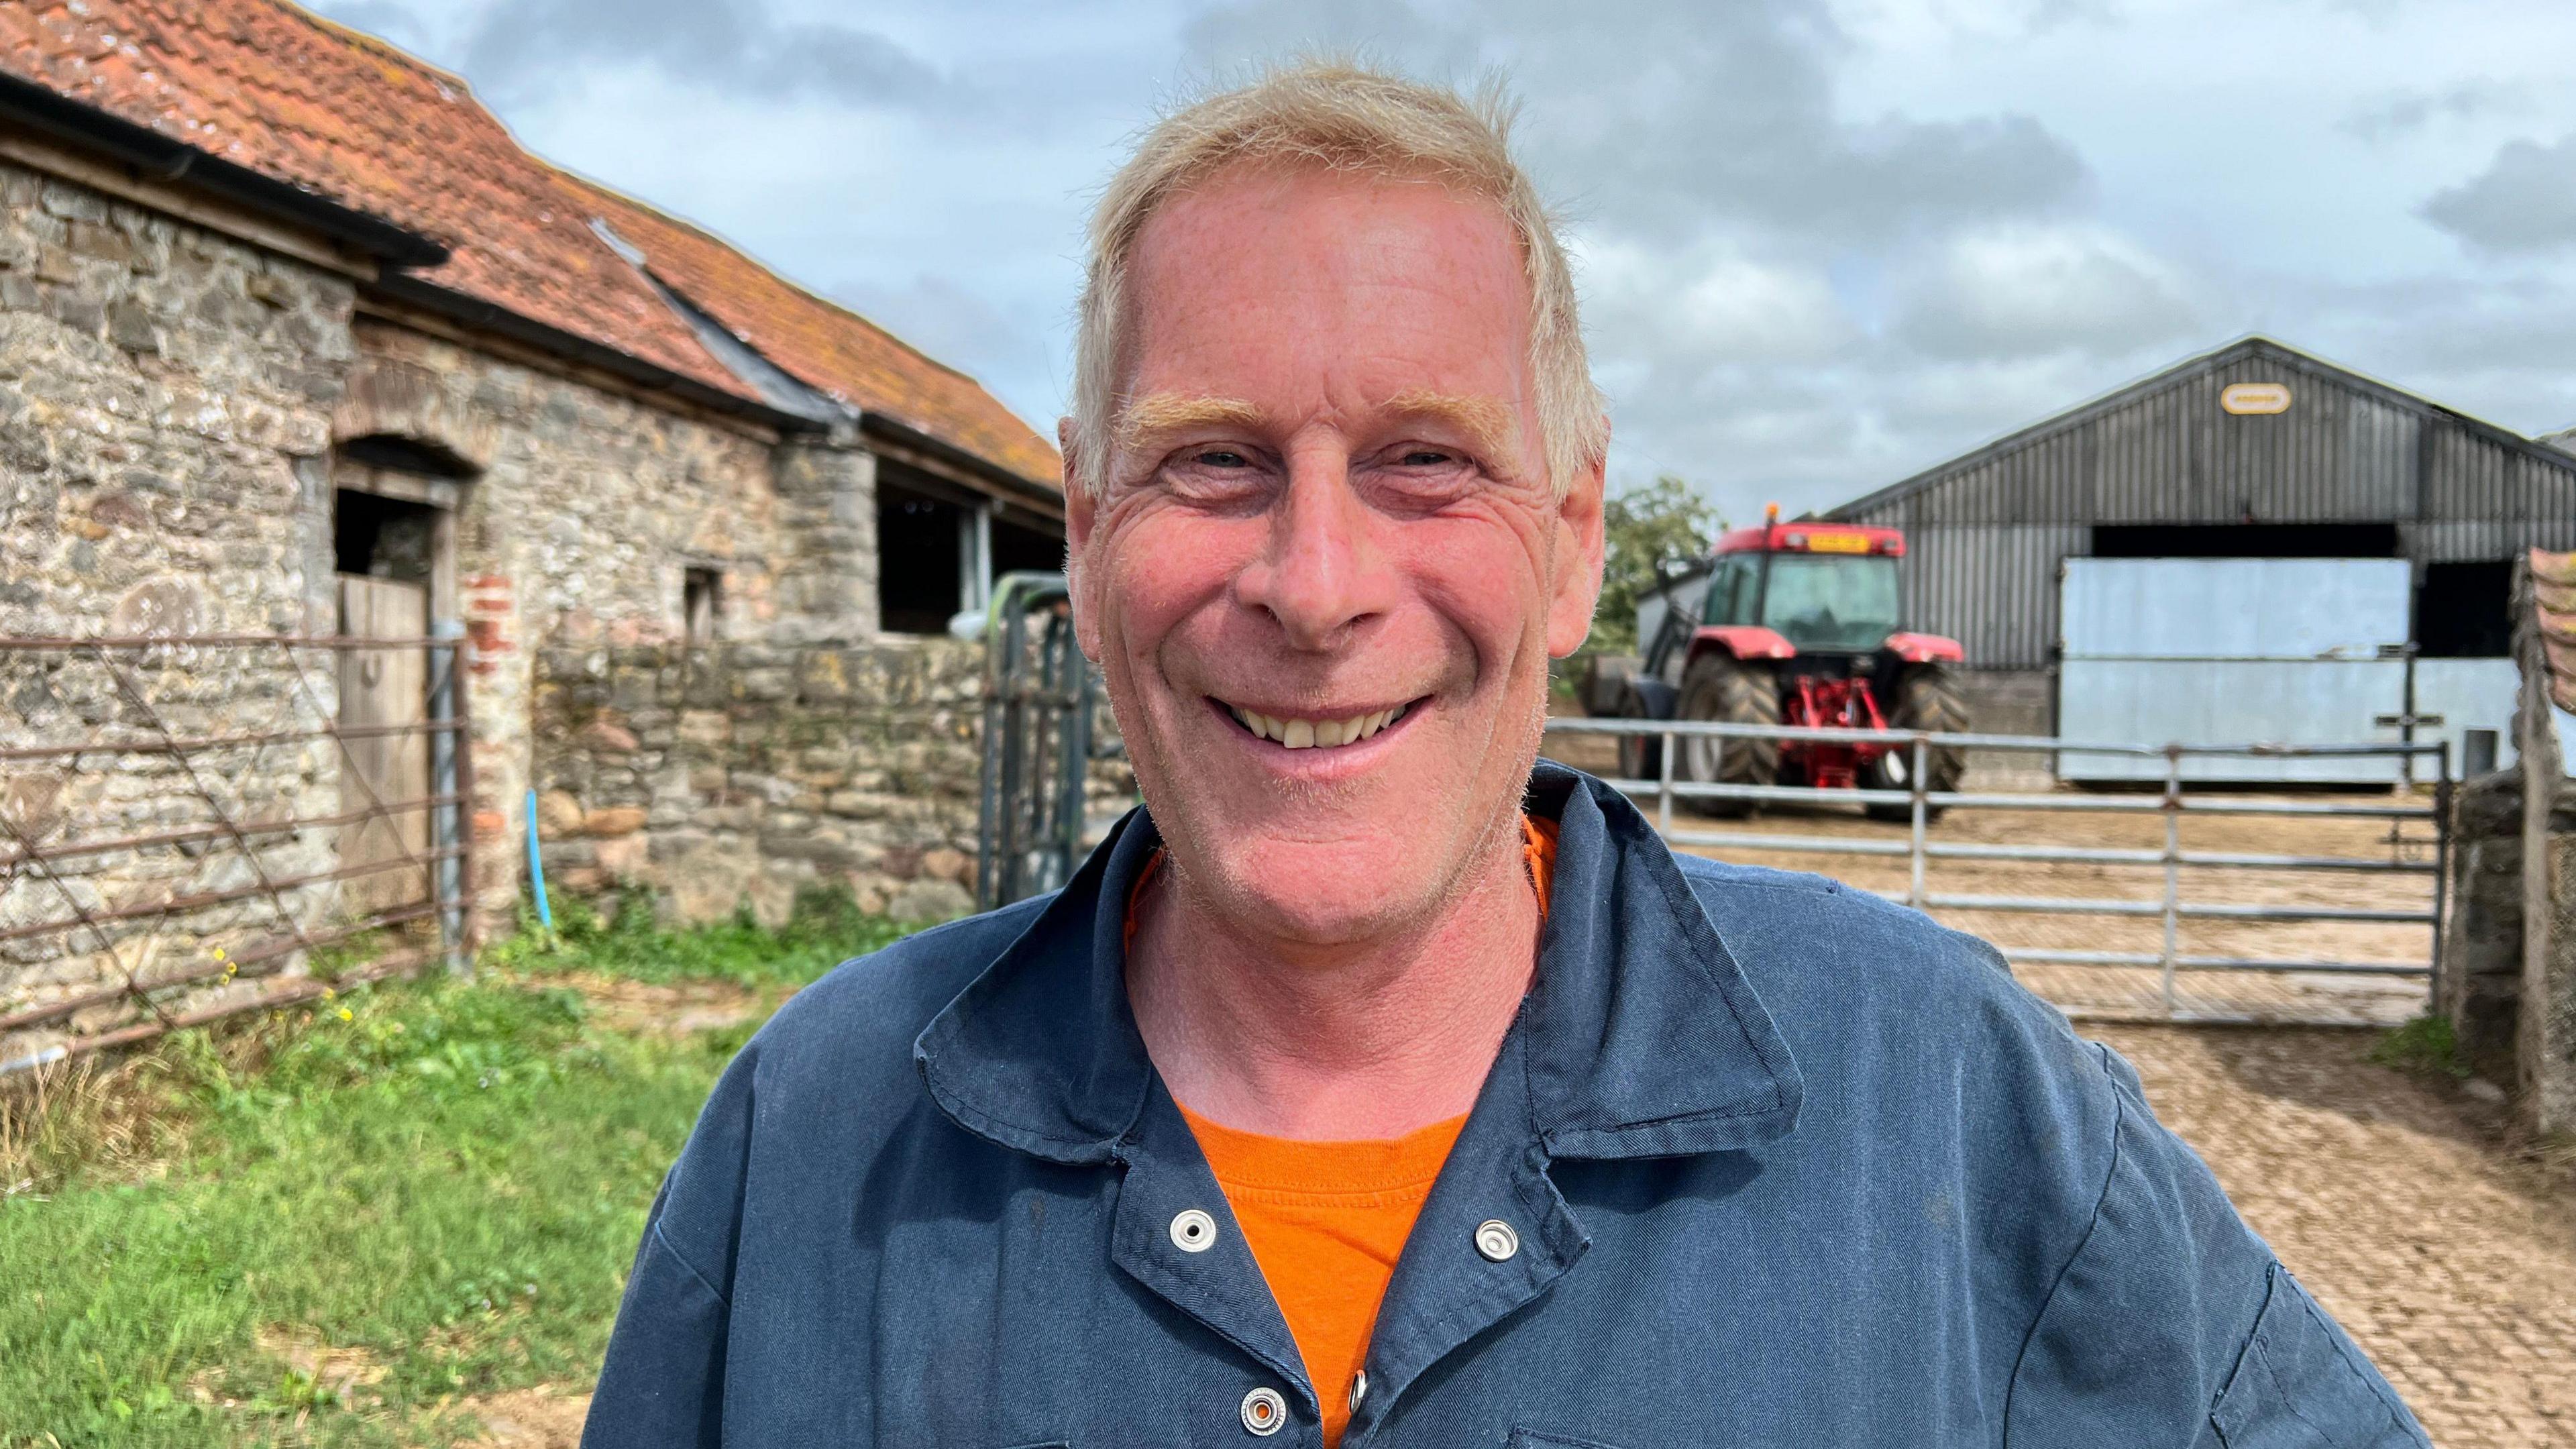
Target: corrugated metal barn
[(2253, 451)]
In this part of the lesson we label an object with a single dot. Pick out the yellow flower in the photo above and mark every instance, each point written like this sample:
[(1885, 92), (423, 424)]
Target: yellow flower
[(328, 993), (347, 1015), (219, 953)]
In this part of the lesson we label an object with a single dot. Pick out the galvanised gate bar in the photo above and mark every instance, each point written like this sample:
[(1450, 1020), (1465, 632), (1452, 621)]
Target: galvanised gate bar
[(2423, 857), (197, 826)]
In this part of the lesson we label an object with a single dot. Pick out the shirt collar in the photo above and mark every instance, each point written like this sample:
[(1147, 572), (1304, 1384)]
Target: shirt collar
[(1641, 1036)]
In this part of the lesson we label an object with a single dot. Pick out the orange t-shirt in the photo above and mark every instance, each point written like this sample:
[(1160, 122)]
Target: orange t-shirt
[(1327, 1220)]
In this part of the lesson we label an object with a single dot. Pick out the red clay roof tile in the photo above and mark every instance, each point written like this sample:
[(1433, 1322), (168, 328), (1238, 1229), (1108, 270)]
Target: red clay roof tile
[(353, 120), (818, 342)]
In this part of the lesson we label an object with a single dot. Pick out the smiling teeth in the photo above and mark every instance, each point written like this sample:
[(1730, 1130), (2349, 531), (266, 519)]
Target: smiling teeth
[(1303, 734)]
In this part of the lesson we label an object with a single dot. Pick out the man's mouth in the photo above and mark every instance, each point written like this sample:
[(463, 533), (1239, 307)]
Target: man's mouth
[(1306, 733)]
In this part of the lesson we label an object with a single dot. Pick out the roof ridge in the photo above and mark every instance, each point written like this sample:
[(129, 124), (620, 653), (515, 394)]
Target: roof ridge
[(728, 243), (346, 33), (2172, 374)]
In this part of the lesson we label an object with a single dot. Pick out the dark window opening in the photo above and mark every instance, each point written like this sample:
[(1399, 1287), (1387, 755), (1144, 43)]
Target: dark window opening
[(1016, 549), (2245, 540), (701, 603), (405, 455), (383, 538), (917, 562), (2465, 610)]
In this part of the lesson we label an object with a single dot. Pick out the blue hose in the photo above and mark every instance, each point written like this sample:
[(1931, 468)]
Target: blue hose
[(537, 868)]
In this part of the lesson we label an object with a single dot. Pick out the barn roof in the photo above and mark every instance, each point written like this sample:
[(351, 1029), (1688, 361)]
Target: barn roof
[(820, 343), (337, 121), (2243, 349)]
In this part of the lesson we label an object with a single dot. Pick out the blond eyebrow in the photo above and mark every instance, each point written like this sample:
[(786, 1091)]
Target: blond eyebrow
[(1486, 422), (1161, 414)]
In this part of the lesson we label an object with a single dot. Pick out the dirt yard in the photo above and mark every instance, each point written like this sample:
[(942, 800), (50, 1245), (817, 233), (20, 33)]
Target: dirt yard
[(2450, 1257), (2125, 993)]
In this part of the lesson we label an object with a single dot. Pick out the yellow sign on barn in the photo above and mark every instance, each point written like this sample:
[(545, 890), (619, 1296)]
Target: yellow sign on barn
[(2255, 399)]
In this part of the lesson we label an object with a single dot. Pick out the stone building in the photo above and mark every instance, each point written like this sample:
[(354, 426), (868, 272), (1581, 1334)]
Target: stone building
[(283, 308)]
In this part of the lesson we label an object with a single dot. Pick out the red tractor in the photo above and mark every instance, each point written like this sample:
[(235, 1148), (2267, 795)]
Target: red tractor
[(1789, 624)]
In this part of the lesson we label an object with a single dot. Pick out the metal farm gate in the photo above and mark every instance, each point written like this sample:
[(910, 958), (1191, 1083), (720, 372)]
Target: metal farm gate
[(196, 826), (1040, 696), (2179, 902)]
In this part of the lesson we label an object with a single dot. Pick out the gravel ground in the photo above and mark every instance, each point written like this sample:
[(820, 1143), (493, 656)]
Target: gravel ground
[(2450, 1257)]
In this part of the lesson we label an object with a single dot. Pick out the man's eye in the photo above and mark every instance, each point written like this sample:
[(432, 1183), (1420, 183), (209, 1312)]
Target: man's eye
[(1426, 458), (1221, 458)]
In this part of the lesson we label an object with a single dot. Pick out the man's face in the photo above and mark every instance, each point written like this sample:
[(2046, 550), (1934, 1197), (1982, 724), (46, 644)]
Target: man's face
[(1326, 572)]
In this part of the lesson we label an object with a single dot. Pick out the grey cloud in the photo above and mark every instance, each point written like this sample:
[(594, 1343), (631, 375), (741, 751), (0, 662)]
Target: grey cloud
[(526, 49), (2403, 113), (1666, 121), (2033, 292), (2525, 201)]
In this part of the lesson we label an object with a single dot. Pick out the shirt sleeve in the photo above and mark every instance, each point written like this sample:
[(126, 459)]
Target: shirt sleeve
[(2173, 1324), (663, 1382)]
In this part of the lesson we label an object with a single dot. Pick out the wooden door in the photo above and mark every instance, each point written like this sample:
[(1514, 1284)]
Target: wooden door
[(384, 772)]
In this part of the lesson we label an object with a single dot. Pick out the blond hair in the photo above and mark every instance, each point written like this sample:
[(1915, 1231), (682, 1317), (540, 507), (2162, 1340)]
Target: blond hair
[(1342, 117)]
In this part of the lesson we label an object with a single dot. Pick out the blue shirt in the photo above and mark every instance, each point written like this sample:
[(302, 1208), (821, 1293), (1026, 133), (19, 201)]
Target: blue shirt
[(1779, 1164)]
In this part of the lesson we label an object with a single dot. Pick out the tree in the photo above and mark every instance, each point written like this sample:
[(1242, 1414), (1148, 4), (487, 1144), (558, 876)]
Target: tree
[(1647, 532)]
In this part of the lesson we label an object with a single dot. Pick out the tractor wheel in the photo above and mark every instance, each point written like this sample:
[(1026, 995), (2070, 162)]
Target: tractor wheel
[(1641, 757), (1926, 699), (1719, 688)]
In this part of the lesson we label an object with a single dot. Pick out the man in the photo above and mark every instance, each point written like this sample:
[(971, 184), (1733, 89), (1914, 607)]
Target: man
[(1377, 1084)]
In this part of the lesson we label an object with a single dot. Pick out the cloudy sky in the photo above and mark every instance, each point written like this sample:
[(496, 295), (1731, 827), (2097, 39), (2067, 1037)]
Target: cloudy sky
[(1823, 243)]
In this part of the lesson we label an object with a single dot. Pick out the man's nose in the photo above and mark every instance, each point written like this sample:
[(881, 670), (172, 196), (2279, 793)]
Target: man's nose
[(1322, 572)]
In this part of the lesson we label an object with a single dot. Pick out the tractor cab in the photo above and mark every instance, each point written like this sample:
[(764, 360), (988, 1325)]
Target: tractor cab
[(1796, 624), (1823, 591)]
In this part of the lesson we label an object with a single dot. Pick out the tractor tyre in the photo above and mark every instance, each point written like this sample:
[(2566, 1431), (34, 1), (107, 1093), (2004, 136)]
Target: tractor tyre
[(1926, 699), (1641, 757), (1603, 686), (1718, 688)]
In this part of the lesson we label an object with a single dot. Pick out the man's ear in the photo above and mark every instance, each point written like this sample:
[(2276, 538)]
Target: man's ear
[(1576, 587), (1080, 513)]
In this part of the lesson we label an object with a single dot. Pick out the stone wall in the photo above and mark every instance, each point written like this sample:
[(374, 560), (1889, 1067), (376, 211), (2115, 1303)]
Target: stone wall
[(2009, 702), (171, 406), (827, 511), (584, 512), (741, 773), (165, 399), (165, 396), (2484, 983)]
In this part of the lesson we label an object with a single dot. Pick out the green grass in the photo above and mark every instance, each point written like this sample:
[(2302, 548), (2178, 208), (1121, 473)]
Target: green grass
[(2425, 1044), (333, 1225)]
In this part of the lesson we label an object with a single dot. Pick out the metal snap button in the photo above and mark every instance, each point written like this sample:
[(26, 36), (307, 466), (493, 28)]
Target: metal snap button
[(1193, 1231), (1359, 1389), (1496, 1240), (1264, 1412)]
